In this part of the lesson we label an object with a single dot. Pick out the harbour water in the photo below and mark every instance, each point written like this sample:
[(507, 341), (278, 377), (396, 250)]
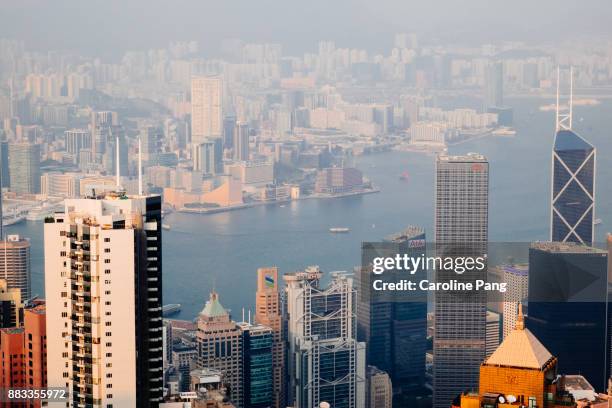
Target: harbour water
[(223, 251)]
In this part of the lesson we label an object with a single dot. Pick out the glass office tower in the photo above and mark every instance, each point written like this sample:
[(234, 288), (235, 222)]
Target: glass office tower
[(573, 189), (568, 307)]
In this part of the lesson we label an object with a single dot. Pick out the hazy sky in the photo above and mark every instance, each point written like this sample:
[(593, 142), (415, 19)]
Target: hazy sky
[(112, 26)]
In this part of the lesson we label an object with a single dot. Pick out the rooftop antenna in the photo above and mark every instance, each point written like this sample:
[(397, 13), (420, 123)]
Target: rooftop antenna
[(571, 101), (557, 105), (11, 110), (117, 163), (564, 115), (139, 166)]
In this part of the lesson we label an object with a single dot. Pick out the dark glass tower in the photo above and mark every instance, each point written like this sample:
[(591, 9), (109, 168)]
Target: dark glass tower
[(568, 307), (257, 366), (573, 189), (395, 329)]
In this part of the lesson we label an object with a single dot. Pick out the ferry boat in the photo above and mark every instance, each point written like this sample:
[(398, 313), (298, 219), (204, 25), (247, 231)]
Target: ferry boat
[(171, 309), (504, 131), (337, 230)]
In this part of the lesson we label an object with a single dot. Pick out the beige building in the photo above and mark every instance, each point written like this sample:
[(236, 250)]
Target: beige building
[(15, 264), (379, 392), (206, 108), (252, 173), (220, 345), (268, 313), (56, 184), (103, 289)]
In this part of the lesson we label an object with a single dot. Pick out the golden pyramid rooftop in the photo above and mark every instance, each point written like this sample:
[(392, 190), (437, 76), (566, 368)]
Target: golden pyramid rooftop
[(520, 349)]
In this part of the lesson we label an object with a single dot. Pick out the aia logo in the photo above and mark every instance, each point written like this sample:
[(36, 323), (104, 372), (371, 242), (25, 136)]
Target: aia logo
[(477, 167), (416, 243)]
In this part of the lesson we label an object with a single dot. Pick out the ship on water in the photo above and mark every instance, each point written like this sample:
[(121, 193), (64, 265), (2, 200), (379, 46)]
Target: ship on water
[(339, 230), (504, 131), (170, 309)]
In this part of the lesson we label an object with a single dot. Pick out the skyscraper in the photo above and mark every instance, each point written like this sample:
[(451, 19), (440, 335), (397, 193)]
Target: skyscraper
[(257, 374), (35, 347), (102, 125), (15, 264), (241, 141), (104, 295), (220, 346), (522, 371), (517, 279), (573, 177), (394, 328), (206, 108), (573, 189), (379, 390), (4, 164), (77, 139), (268, 312), (151, 141), (23, 355), (461, 229), (24, 167), (494, 85), (12, 359), (208, 156), (325, 361), (568, 306), (229, 127)]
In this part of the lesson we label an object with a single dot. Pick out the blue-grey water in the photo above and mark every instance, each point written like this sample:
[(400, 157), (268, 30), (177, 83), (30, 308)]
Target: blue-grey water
[(223, 251)]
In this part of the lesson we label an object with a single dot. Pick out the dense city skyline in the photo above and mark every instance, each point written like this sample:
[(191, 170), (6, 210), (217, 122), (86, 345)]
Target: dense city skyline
[(208, 204)]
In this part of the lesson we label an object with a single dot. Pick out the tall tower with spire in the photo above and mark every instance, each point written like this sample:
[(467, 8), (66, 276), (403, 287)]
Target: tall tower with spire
[(573, 178)]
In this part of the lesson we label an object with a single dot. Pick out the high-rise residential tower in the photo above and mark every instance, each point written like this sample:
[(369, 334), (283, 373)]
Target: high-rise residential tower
[(241, 141), (461, 229), (152, 138), (103, 283), (494, 85), (268, 312), (15, 264), (24, 167), (325, 361), (206, 108), (76, 140), (102, 125)]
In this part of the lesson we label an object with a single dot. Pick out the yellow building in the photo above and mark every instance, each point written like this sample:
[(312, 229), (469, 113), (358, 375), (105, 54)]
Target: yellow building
[(521, 372)]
